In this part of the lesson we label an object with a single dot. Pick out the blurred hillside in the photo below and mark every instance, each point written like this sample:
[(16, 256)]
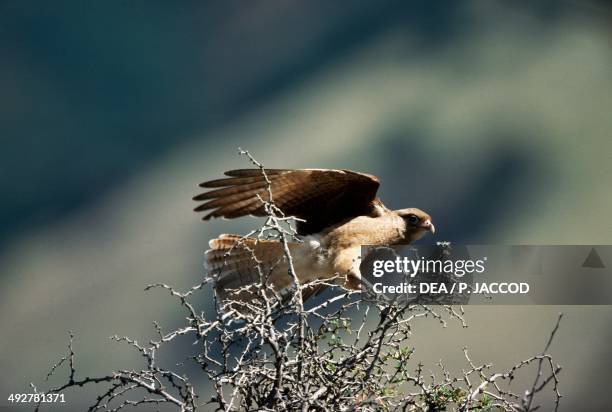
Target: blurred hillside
[(492, 116)]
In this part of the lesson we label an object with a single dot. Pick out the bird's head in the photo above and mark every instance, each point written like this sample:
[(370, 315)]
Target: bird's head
[(417, 223)]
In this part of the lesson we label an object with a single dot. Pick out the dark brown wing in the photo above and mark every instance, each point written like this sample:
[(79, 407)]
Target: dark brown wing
[(322, 197)]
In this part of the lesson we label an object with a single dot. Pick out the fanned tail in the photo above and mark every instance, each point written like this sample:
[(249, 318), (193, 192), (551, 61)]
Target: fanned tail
[(236, 262)]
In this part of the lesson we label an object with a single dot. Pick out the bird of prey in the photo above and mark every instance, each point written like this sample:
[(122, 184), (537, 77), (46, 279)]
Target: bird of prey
[(339, 213)]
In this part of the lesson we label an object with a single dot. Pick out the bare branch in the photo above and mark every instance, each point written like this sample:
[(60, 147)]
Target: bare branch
[(347, 351)]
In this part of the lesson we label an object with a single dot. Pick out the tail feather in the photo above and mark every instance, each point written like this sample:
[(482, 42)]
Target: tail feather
[(236, 262)]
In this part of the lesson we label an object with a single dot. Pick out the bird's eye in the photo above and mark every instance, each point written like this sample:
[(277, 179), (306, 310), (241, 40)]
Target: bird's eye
[(413, 219)]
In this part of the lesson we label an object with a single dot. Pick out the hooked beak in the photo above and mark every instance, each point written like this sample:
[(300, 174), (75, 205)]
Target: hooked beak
[(429, 226)]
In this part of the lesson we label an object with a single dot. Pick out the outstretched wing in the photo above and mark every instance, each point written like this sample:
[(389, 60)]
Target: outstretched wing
[(322, 197)]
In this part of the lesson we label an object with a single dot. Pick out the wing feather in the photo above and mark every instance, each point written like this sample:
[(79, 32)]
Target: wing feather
[(229, 181), (322, 197), (227, 192), (253, 172)]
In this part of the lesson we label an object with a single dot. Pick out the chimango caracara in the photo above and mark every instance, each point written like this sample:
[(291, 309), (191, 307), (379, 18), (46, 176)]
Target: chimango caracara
[(340, 211)]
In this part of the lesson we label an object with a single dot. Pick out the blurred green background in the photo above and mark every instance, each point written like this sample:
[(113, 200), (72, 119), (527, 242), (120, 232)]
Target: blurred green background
[(494, 116)]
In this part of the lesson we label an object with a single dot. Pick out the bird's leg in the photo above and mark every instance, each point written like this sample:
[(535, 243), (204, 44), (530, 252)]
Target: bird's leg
[(346, 263), (353, 280)]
